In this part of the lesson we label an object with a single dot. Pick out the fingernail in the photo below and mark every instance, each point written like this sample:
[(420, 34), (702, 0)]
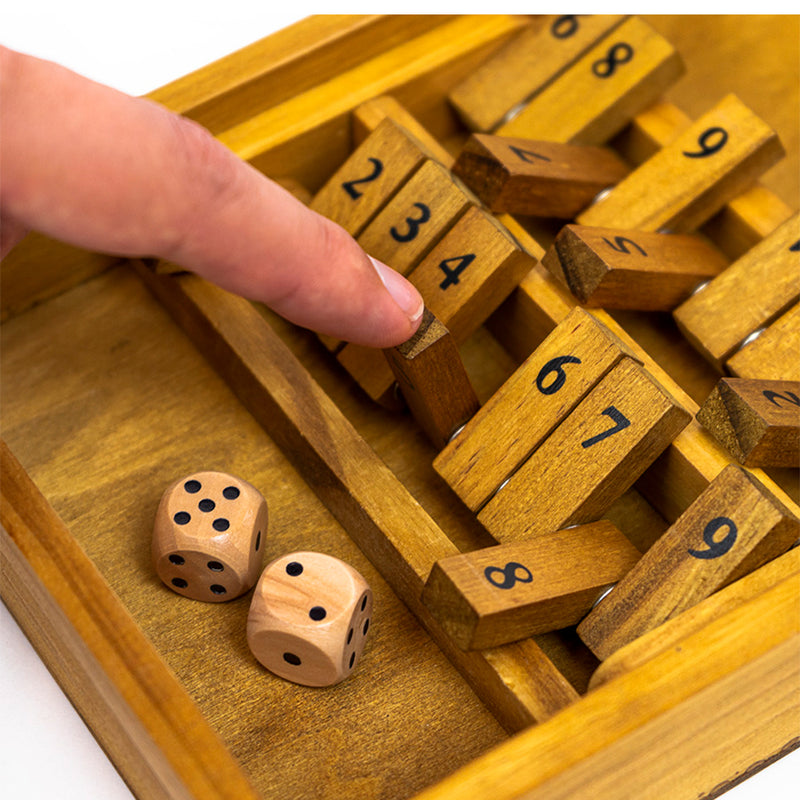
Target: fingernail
[(402, 292)]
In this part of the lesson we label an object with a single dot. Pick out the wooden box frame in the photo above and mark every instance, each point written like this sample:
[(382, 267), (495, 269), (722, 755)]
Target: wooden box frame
[(670, 728)]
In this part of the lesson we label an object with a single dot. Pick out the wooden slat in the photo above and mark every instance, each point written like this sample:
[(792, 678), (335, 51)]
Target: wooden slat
[(470, 272), (369, 115), (141, 712), (773, 354), (501, 594), (422, 211), (232, 89), (717, 322), (595, 455), (526, 409), (536, 178), (517, 682), (39, 268), (722, 55), (744, 221), (374, 171), (691, 461), (307, 121), (463, 279), (613, 268)]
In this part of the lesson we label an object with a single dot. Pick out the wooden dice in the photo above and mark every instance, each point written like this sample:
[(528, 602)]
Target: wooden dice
[(309, 618), (208, 536)]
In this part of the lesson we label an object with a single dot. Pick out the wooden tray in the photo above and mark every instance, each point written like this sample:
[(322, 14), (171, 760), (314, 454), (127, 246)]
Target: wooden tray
[(106, 399)]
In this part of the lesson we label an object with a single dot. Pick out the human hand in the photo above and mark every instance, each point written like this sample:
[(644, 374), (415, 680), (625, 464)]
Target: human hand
[(93, 167)]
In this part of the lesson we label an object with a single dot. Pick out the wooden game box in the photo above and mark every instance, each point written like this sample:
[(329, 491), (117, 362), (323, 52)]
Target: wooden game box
[(115, 381)]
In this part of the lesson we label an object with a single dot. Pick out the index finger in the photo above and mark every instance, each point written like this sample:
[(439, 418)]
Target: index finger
[(102, 170)]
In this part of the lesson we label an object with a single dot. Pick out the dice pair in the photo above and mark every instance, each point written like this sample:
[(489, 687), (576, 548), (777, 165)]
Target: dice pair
[(310, 612)]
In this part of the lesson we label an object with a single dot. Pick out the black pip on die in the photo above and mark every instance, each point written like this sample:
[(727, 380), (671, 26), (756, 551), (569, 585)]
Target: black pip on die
[(208, 536), (309, 618)]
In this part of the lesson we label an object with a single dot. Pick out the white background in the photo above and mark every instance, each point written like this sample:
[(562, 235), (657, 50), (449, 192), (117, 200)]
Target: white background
[(45, 749)]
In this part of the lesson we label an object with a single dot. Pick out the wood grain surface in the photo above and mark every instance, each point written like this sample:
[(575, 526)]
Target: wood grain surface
[(521, 68), (536, 178), (682, 186), (772, 355), (592, 100), (433, 381), (734, 527), (140, 709), (670, 633), (686, 717), (501, 594), (603, 445), (105, 478), (395, 532), (614, 268), (540, 394), (757, 421), (105, 402), (719, 318), (373, 172)]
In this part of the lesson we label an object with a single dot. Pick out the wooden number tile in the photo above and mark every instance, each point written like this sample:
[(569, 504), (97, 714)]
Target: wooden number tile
[(593, 457), (732, 528), (686, 182), (469, 273), (463, 280), (571, 361), (376, 169), (525, 65), (772, 354), (400, 235), (670, 634), (536, 178), (372, 112), (415, 218), (599, 94), (433, 381), (502, 594), (748, 295), (757, 421), (645, 271)]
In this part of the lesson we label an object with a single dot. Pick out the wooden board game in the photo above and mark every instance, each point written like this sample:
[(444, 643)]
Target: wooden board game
[(117, 378)]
